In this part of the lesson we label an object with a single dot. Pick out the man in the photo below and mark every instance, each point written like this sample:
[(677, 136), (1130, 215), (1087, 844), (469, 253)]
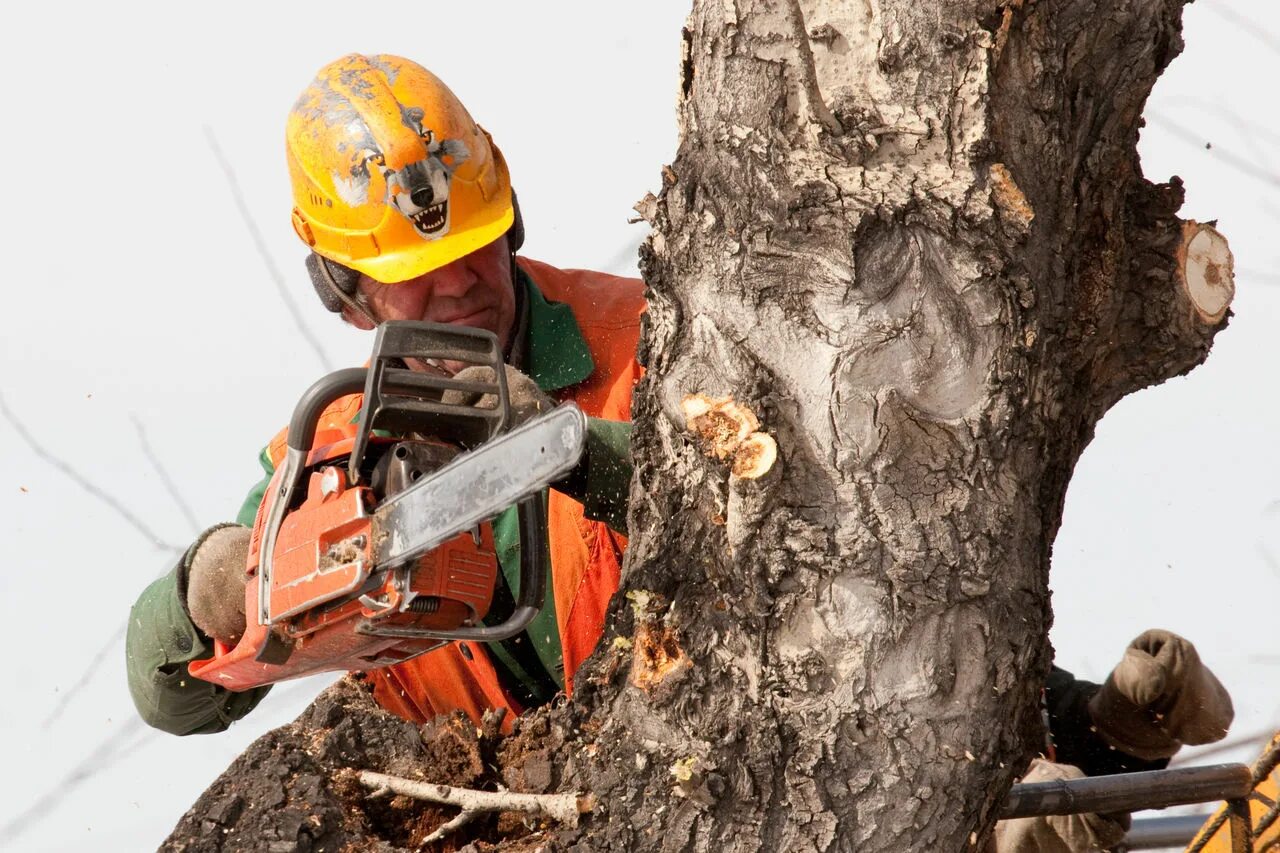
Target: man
[(1158, 698), (407, 207)]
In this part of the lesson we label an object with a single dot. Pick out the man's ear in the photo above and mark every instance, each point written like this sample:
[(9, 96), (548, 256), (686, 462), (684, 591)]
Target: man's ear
[(355, 318)]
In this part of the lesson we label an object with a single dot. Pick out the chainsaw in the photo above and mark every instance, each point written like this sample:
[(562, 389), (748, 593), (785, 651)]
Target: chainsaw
[(375, 549)]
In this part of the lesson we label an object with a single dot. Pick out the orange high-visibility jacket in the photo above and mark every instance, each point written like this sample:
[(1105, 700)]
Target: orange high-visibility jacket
[(586, 555)]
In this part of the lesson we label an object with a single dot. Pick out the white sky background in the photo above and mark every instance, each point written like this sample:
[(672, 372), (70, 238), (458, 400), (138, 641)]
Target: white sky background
[(135, 295)]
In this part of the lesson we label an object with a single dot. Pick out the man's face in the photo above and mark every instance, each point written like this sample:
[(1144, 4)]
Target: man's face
[(474, 291)]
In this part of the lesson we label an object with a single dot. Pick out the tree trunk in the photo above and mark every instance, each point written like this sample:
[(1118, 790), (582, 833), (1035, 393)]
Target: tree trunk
[(904, 261), (913, 240)]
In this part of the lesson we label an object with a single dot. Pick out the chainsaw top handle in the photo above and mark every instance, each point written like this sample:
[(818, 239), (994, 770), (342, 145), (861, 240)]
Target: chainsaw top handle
[(399, 400)]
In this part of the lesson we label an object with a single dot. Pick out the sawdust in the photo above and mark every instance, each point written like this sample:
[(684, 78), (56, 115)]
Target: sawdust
[(340, 554)]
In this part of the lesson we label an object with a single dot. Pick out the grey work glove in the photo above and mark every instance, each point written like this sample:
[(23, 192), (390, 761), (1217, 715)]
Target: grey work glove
[(1074, 833), (215, 582), (1160, 697), (527, 399)]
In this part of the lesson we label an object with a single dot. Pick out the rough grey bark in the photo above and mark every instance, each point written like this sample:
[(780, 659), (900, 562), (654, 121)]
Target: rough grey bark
[(914, 240)]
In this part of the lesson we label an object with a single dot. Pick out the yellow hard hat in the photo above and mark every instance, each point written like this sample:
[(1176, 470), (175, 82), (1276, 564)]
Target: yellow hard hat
[(391, 176)]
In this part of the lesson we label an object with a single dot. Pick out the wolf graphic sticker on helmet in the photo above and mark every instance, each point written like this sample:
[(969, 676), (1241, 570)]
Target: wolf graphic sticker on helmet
[(391, 175), (420, 191)]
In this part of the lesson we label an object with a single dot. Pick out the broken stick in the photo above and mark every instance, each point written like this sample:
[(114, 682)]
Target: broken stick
[(562, 807)]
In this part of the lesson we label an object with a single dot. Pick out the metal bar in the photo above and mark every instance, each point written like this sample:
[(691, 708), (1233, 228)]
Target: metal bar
[(1156, 833), (1240, 825), (1126, 792)]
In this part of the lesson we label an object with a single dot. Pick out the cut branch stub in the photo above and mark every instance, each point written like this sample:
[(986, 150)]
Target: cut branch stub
[(656, 656), (1207, 270), (755, 456), (729, 430)]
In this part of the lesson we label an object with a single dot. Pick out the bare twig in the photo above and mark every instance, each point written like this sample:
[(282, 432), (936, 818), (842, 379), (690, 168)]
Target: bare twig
[(1249, 131), (1256, 275), (116, 747), (1246, 25), (1267, 557), (83, 482), (625, 261), (131, 734), (170, 486), (89, 672), (564, 808), (261, 245), (1241, 164), (457, 823)]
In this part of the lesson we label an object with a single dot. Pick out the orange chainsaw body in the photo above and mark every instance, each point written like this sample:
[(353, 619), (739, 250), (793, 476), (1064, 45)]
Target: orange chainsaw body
[(331, 609)]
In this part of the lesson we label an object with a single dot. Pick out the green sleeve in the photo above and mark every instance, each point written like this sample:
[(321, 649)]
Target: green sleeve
[(602, 480), (159, 643), (249, 509)]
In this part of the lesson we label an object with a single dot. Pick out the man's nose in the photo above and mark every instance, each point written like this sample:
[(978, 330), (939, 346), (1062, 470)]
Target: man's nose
[(450, 281)]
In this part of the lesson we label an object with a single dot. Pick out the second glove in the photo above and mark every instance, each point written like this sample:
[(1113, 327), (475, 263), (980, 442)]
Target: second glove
[(527, 399), (1160, 697)]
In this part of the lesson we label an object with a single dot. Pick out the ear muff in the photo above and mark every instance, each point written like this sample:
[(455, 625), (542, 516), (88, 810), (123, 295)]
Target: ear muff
[(515, 234), (331, 281)]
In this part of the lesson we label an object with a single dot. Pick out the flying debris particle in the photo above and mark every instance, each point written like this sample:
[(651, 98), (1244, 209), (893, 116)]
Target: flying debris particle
[(641, 599), (23, 489)]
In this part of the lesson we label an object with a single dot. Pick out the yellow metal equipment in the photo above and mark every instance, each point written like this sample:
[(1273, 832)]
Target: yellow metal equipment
[(1251, 825)]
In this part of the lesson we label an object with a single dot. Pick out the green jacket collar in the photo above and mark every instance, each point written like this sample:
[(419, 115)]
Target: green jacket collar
[(558, 354)]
